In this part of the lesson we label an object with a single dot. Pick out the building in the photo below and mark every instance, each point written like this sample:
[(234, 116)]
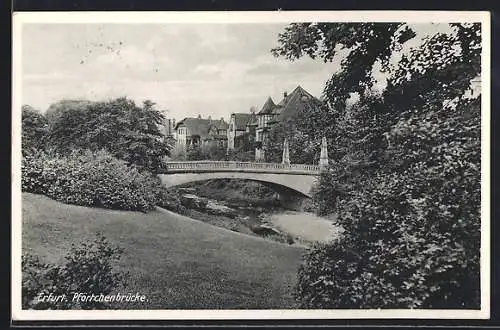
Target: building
[(271, 113), (167, 127), (199, 131), (217, 133), (241, 127)]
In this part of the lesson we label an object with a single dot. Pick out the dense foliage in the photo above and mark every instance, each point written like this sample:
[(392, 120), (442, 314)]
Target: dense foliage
[(405, 181), (303, 148), (89, 179), (34, 130), (243, 153), (88, 269), (194, 152), (125, 130), (213, 151)]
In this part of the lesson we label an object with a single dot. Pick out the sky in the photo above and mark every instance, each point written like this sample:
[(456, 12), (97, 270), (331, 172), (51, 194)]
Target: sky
[(187, 69)]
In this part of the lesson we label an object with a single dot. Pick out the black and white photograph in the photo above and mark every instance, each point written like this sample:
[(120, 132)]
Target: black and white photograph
[(276, 165)]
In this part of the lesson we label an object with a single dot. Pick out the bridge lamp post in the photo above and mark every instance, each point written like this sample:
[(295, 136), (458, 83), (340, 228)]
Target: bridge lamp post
[(286, 153), (323, 158)]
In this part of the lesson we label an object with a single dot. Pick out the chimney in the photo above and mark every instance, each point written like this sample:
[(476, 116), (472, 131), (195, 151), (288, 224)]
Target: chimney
[(222, 119), (285, 94), (199, 116), (209, 118)]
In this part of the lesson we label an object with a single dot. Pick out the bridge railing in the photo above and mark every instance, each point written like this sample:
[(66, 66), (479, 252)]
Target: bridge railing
[(206, 165)]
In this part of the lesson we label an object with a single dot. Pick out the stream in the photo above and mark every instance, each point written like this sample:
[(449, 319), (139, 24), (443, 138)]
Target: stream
[(273, 222)]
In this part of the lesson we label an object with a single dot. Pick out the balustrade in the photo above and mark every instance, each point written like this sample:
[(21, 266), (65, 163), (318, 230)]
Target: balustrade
[(234, 165)]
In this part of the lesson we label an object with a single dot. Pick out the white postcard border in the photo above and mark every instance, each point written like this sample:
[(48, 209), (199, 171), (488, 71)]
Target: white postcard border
[(20, 18)]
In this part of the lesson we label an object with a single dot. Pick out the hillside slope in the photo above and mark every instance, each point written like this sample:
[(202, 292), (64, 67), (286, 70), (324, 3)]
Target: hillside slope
[(177, 262)]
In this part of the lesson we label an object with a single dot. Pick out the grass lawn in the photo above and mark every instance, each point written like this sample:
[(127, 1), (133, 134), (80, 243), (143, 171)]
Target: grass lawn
[(177, 262)]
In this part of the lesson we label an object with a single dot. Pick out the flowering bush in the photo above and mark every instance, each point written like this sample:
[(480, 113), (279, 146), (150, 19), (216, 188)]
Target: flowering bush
[(90, 179)]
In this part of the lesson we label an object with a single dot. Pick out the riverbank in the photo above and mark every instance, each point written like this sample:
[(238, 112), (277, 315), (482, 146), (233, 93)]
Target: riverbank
[(236, 192), (250, 208)]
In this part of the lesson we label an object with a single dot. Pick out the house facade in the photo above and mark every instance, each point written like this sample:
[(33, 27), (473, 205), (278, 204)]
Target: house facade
[(241, 126), (271, 113), (200, 131), (167, 127), (246, 132), (217, 134)]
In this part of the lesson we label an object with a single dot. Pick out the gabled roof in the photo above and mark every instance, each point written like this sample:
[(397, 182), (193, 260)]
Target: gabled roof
[(253, 120), (253, 123), (268, 107), (295, 102), (241, 120), (290, 105), (201, 127), (220, 124)]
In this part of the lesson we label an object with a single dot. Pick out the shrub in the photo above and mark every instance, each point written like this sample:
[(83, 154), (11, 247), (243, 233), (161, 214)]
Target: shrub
[(406, 252), (88, 269), (406, 180), (170, 200), (413, 229), (90, 179)]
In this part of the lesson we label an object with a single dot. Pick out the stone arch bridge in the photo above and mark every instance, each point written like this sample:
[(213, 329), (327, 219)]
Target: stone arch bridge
[(286, 179)]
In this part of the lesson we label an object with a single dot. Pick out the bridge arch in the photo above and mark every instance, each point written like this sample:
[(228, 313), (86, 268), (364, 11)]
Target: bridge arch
[(282, 183)]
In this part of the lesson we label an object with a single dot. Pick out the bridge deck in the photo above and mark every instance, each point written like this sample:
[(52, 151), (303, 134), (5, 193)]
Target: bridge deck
[(233, 166)]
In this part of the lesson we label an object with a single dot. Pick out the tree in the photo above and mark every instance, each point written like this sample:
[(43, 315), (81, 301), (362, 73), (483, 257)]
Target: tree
[(194, 152), (303, 149), (119, 126), (178, 153), (406, 179), (34, 130), (213, 151), (243, 153), (55, 109)]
